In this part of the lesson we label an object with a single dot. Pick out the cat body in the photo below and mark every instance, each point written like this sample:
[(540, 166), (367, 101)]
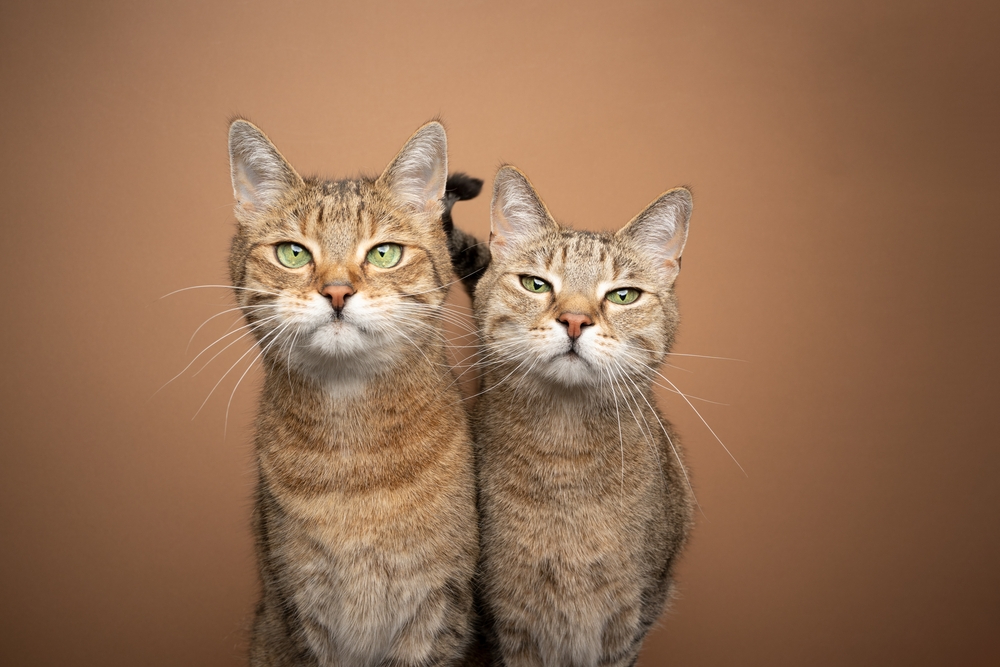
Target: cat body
[(365, 518), (584, 500)]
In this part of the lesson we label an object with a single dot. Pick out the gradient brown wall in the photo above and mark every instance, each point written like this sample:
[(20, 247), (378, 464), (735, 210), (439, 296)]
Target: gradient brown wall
[(844, 160)]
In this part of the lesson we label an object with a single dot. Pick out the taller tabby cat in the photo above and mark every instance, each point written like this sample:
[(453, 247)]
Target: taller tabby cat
[(584, 500), (365, 515)]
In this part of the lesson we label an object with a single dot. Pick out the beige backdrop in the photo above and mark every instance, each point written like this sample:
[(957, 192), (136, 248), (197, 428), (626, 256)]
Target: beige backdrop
[(844, 160)]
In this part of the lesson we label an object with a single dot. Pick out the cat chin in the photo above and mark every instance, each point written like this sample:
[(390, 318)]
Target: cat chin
[(338, 340), (343, 375), (342, 354), (570, 370)]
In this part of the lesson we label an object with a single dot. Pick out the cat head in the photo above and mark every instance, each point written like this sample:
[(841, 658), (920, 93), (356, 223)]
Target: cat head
[(335, 275), (576, 307)]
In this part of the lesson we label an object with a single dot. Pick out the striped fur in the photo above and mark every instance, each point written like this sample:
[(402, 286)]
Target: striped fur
[(584, 499), (365, 518)]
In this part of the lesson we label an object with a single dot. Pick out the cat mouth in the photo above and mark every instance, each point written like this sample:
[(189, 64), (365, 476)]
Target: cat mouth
[(338, 327), (340, 321)]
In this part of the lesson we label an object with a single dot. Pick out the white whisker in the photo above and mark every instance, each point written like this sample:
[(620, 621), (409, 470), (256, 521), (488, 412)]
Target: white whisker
[(225, 424), (243, 356), (707, 426), (228, 310), (652, 369), (498, 383), (621, 438), (705, 356), (252, 328), (248, 289), (670, 441), (210, 346)]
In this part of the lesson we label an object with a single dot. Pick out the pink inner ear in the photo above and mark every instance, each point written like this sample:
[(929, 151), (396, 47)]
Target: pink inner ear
[(432, 201), (246, 198)]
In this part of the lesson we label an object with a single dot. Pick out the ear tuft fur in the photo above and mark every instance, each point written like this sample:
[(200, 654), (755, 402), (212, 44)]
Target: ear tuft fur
[(516, 212), (662, 229), (418, 174), (261, 175)]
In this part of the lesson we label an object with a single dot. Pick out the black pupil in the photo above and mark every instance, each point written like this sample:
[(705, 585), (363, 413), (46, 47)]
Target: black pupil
[(296, 249), (382, 250), (622, 293), (537, 283)]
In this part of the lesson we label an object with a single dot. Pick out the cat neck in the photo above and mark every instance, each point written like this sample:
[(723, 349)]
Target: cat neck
[(539, 395), (334, 386), (561, 421), (314, 435)]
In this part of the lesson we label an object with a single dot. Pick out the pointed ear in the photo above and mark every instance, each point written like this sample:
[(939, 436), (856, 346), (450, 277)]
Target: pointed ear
[(261, 176), (516, 213), (662, 230), (418, 174)]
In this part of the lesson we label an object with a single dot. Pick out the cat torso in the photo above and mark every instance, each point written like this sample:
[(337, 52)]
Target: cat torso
[(584, 501), (575, 557), (364, 518)]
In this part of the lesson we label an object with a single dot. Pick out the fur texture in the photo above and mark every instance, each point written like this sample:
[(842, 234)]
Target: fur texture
[(468, 255), (584, 499), (365, 516)]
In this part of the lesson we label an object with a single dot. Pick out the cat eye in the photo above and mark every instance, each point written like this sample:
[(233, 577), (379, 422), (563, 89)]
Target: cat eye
[(292, 255), (624, 296), (385, 256), (535, 284)]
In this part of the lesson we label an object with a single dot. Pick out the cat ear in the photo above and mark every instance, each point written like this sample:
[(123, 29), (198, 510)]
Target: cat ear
[(418, 174), (261, 176), (661, 230), (516, 212)]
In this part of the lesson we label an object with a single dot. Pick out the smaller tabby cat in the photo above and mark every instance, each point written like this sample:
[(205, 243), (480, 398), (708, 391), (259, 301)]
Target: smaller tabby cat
[(584, 501), (365, 513)]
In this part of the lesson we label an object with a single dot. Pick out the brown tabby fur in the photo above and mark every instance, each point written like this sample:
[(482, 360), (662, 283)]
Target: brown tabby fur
[(584, 500), (365, 518)]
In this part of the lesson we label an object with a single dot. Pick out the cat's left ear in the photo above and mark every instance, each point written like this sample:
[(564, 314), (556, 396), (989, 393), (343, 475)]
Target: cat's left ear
[(418, 174), (261, 176), (517, 214), (661, 230)]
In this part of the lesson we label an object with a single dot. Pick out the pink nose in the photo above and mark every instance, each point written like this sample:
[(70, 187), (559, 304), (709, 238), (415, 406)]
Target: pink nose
[(337, 293), (574, 323)]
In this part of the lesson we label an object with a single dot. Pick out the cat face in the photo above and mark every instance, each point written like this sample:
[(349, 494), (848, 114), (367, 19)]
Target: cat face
[(339, 277), (573, 307)]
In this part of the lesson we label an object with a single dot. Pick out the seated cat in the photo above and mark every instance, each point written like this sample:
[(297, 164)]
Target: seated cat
[(365, 517), (584, 499)]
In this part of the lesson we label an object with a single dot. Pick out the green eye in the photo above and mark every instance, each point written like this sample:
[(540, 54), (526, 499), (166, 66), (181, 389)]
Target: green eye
[(623, 296), (385, 256), (293, 255), (534, 284)]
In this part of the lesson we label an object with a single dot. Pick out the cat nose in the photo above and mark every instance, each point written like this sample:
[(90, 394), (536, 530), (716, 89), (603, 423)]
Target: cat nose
[(575, 322), (337, 293)]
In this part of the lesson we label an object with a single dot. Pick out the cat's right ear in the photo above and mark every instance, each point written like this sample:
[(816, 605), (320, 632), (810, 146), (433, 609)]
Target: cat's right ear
[(517, 214), (261, 176), (661, 230)]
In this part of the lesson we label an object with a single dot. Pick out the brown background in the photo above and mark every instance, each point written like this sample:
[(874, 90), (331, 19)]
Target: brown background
[(844, 159)]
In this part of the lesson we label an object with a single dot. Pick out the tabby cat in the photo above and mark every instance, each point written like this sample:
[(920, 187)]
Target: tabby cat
[(365, 517), (584, 500)]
